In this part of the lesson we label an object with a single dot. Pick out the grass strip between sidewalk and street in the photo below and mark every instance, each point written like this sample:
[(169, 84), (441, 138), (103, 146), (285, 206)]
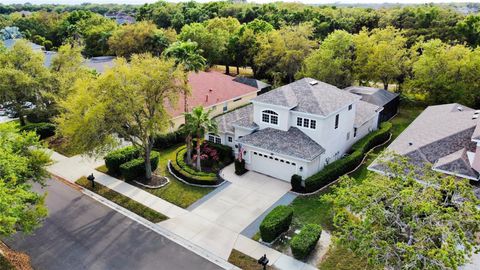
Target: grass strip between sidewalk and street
[(123, 201), (245, 262)]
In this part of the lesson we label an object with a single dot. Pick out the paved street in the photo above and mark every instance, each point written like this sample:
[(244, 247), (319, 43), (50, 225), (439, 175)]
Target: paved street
[(81, 233)]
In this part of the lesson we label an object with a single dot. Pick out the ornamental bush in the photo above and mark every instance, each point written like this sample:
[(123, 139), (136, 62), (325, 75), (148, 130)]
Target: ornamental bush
[(135, 168), (296, 182), (114, 159), (334, 170), (240, 167), (276, 222), (189, 174), (170, 139), (304, 242), (44, 130)]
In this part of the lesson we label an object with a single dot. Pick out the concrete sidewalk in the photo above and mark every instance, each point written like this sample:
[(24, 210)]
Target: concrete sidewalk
[(75, 167)]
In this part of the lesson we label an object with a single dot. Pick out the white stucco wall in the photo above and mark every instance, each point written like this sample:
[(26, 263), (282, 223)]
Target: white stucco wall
[(283, 116)]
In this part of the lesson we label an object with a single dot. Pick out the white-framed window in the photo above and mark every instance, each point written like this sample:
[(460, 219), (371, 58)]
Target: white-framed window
[(299, 122), (269, 116), (337, 118), (348, 136), (354, 132), (225, 106), (308, 123), (214, 138), (237, 99), (350, 107), (230, 139)]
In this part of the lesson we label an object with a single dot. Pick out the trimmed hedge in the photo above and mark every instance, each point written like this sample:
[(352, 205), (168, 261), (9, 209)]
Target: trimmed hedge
[(170, 139), (115, 159), (276, 222), (296, 182), (240, 167), (189, 174), (334, 170), (304, 242), (44, 130), (135, 168)]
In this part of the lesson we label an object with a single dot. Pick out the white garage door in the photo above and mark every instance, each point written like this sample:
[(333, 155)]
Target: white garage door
[(272, 166)]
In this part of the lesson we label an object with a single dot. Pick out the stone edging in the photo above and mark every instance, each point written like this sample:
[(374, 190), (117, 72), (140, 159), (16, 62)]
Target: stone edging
[(335, 181), (153, 187), (158, 229), (190, 184)]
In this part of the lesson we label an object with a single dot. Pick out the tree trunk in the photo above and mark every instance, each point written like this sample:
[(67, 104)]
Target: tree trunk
[(20, 117), (238, 71), (227, 69), (199, 164), (148, 164), (189, 149), (385, 85), (185, 101)]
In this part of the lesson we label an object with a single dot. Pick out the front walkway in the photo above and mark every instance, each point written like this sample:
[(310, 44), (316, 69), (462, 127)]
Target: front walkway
[(215, 224)]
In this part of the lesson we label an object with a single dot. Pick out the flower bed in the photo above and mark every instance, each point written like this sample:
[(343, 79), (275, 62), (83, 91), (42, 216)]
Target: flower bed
[(190, 175)]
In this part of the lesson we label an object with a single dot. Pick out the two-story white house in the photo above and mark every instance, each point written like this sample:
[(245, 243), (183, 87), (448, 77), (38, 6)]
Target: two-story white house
[(297, 128)]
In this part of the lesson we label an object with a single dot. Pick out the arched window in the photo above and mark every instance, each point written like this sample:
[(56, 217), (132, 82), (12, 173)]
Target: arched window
[(269, 116)]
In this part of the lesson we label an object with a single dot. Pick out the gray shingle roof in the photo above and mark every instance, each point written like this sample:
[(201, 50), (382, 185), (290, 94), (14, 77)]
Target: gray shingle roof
[(319, 99), (100, 63), (438, 132), (364, 112), (9, 43), (456, 163), (376, 96), (292, 143), (241, 117), (252, 82), (476, 132)]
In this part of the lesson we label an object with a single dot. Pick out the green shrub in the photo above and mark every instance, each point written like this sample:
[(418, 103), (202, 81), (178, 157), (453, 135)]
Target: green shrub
[(39, 115), (184, 171), (276, 222), (114, 159), (170, 139), (304, 242), (135, 168), (240, 167), (296, 182), (334, 170), (225, 152), (44, 130)]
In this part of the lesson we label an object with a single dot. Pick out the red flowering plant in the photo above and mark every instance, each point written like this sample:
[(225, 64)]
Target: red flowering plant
[(209, 155)]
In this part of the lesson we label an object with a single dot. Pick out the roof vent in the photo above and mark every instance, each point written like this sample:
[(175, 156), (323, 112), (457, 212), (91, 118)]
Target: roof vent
[(475, 116), (313, 82), (210, 90), (477, 112), (460, 108), (410, 143)]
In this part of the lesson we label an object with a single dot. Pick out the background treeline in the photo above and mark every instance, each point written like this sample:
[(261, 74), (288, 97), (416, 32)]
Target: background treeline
[(428, 51)]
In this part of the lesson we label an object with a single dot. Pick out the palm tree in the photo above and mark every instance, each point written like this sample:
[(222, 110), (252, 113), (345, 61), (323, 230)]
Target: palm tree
[(187, 54), (199, 124)]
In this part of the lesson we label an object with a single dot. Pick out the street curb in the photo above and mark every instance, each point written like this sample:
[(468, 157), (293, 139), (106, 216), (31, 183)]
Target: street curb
[(158, 229)]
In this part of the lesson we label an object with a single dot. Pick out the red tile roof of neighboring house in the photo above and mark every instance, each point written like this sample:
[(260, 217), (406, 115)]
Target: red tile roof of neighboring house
[(210, 88)]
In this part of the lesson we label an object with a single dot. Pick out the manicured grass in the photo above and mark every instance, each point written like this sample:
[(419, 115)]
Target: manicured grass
[(60, 146), (341, 258), (245, 262), (102, 169), (5, 264), (176, 192), (123, 201), (247, 72)]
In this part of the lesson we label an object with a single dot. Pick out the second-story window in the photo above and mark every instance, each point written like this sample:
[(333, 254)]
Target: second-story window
[(269, 116), (336, 120), (313, 124), (299, 121), (308, 123)]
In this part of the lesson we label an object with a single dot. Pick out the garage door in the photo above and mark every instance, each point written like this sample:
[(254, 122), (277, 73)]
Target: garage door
[(272, 166)]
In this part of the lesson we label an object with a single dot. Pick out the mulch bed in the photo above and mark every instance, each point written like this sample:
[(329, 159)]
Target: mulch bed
[(19, 260), (156, 181)]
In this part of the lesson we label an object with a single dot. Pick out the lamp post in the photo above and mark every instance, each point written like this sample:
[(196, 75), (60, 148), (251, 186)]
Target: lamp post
[(91, 178), (263, 261)]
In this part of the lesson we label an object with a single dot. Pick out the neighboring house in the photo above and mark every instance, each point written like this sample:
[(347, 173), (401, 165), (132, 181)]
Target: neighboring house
[(121, 17), (445, 137), (261, 86), (10, 32), (297, 128), (212, 90), (380, 97), (99, 64), (9, 43)]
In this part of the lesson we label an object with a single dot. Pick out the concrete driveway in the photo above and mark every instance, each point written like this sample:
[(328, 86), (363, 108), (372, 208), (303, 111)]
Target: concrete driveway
[(216, 223)]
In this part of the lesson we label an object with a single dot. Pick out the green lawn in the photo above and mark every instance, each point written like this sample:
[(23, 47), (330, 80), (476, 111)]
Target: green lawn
[(341, 258), (176, 192), (245, 262), (123, 201)]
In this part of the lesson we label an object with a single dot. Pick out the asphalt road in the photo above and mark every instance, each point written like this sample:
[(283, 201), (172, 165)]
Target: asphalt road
[(81, 233)]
